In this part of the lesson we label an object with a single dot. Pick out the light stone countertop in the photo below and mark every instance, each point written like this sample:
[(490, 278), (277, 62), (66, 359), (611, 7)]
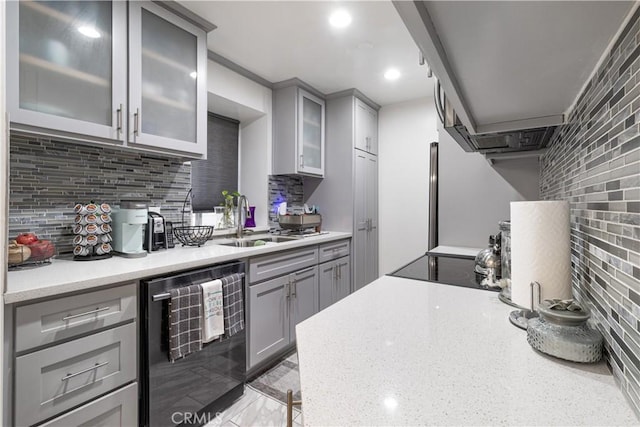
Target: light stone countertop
[(65, 275), (406, 352)]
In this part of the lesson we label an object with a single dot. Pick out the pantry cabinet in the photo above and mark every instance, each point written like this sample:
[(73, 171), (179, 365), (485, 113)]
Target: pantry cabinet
[(352, 191), (366, 127), (130, 74), (298, 132), (366, 219)]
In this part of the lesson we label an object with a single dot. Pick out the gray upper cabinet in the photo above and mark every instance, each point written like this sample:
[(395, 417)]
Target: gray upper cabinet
[(167, 81), (366, 128), (77, 70), (66, 67), (299, 127)]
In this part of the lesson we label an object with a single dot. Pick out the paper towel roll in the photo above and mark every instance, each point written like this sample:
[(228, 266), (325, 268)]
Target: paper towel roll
[(540, 250)]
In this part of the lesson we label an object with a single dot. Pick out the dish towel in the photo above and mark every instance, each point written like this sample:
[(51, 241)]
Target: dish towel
[(212, 316), (185, 331), (233, 304)]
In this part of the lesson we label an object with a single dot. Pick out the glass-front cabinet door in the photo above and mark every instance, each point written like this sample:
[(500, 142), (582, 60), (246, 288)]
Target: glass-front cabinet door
[(167, 81), (310, 133), (66, 67)]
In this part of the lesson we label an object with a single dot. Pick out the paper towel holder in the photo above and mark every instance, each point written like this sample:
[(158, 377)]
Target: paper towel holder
[(520, 318)]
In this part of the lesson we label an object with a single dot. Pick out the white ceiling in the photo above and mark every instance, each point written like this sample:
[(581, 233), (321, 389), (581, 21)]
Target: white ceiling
[(279, 40)]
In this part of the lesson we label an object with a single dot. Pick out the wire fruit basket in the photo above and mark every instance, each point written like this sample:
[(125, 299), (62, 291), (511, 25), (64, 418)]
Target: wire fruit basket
[(194, 235)]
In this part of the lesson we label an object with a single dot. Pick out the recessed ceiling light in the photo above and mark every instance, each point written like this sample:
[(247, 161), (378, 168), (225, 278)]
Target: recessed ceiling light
[(89, 31), (340, 18), (392, 74)]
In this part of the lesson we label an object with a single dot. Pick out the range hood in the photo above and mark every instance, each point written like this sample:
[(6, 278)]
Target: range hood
[(533, 140)]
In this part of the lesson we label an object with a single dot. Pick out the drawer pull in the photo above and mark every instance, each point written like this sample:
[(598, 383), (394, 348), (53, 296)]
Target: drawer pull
[(73, 316), (91, 368)]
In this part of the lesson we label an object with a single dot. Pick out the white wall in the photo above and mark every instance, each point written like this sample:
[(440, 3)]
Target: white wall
[(474, 196), (238, 97), (405, 131)]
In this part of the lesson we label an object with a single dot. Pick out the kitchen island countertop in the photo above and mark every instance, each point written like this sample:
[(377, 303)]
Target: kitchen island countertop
[(64, 275), (406, 352)]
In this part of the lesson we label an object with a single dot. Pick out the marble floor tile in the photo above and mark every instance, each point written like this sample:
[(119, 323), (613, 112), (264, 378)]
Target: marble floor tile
[(263, 412), (224, 419)]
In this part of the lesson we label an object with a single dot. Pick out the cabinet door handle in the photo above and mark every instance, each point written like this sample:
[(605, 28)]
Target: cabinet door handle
[(294, 293), (119, 120), (86, 313), (288, 286), (91, 368), (301, 160), (339, 271), (136, 122)]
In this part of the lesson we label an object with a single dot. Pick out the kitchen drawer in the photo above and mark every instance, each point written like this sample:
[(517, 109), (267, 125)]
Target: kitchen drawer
[(58, 378), (62, 318), (117, 409), (269, 266), (334, 250)]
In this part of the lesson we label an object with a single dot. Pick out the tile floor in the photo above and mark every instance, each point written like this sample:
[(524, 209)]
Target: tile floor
[(256, 409)]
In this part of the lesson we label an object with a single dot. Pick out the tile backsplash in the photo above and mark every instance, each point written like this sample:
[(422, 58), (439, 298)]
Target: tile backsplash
[(284, 188), (48, 177), (594, 163)]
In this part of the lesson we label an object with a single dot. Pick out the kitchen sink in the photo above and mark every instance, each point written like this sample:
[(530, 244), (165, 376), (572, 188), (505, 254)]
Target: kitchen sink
[(249, 242)]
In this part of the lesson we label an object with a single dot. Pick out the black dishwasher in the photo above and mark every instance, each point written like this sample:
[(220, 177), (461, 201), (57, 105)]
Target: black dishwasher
[(191, 390)]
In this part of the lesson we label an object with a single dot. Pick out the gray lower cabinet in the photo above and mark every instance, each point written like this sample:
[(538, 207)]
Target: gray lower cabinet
[(63, 318), (269, 319), (335, 281), (303, 300), (61, 377), (119, 408), (276, 307)]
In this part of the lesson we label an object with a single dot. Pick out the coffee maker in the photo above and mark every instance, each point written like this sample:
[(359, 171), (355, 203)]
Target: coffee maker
[(157, 232), (128, 224)]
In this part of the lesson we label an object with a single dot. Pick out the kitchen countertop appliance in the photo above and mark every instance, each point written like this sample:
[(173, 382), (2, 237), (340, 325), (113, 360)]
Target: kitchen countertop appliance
[(128, 224), (453, 270), (195, 387), (157, 233)]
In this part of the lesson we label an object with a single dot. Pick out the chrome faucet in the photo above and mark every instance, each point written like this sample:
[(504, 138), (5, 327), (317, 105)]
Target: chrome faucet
[(242, 200)]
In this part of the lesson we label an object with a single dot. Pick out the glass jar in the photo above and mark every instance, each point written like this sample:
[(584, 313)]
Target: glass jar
[(564, 334)]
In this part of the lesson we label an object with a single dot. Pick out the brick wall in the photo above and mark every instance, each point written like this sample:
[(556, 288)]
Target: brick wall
[(47, 178), (594, 163)]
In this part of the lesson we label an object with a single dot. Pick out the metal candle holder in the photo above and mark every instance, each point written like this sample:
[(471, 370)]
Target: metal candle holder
[(520, 318)]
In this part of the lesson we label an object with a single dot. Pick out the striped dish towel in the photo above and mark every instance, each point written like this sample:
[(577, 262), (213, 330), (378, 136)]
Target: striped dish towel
[(185, 321), (233, 304)]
